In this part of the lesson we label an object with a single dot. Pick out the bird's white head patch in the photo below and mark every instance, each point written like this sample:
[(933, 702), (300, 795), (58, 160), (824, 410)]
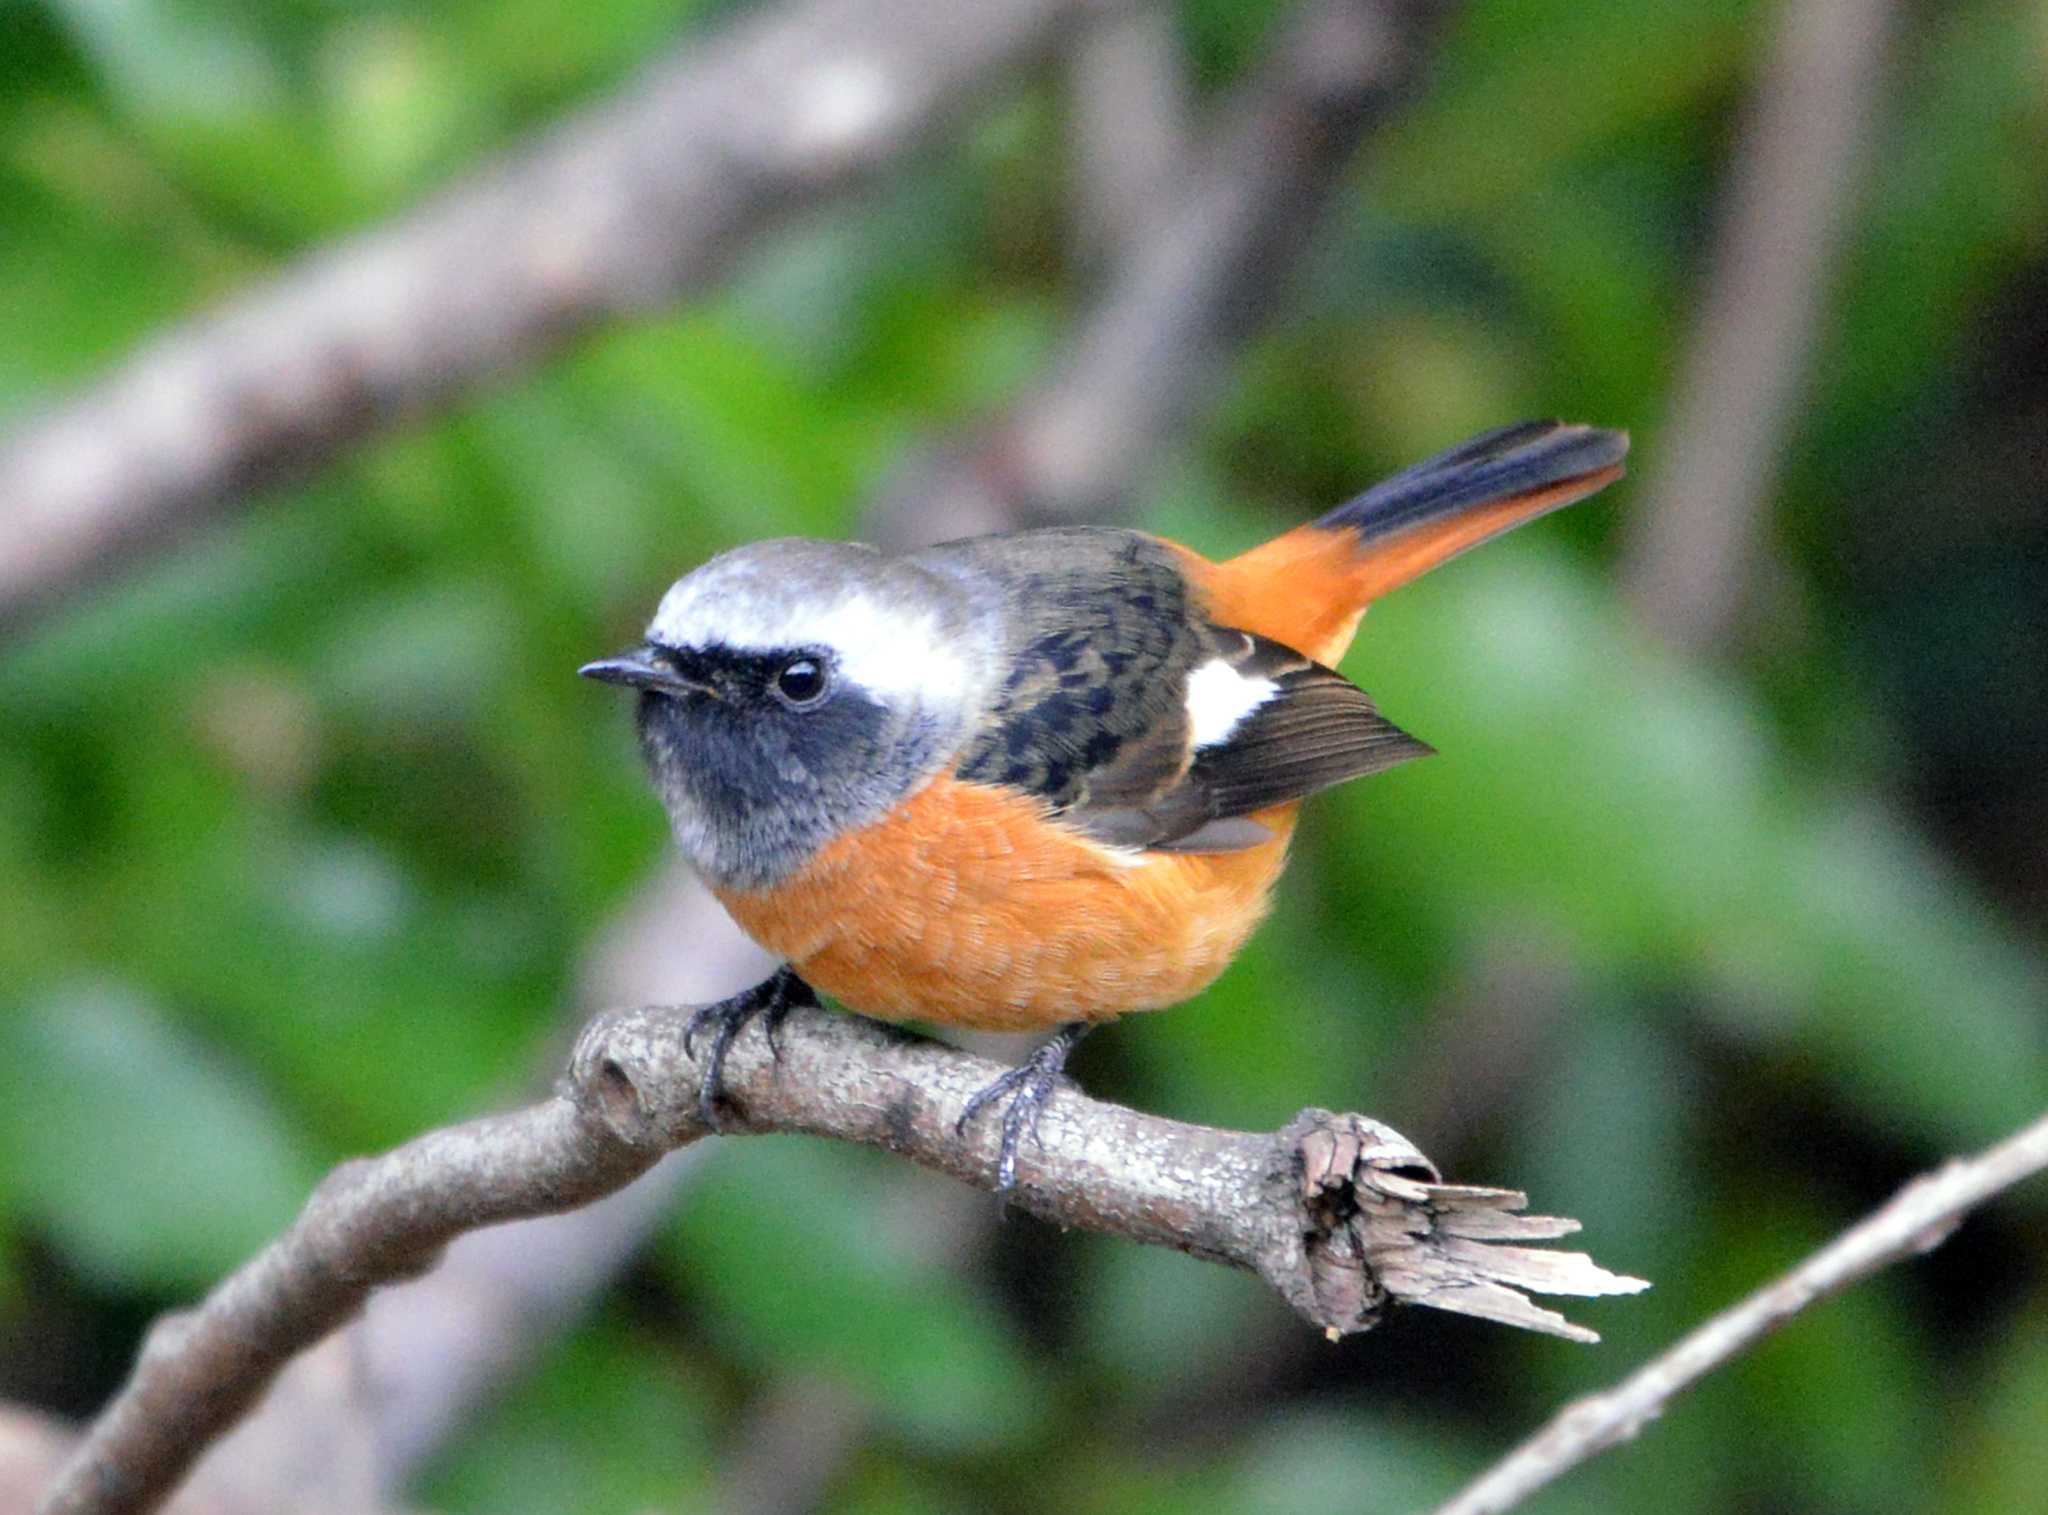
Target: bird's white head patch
[(892, 629)]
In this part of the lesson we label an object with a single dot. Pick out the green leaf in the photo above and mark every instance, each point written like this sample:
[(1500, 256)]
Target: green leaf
[(1996, 1457), (1646, 809), (610, 1420), (149, 1159), (808, 1258)]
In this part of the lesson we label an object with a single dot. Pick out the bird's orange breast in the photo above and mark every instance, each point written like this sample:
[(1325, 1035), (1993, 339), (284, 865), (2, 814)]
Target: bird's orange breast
[(966, 906)]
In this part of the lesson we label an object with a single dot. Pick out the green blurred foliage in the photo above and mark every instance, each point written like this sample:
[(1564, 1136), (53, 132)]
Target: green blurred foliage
[(304, 825)]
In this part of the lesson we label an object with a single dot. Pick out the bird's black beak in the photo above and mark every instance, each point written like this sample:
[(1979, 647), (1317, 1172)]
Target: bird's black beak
[(638, 668)]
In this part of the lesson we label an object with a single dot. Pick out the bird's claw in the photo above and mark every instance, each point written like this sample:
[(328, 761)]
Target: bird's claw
[(772, 999), (1028, 1087)]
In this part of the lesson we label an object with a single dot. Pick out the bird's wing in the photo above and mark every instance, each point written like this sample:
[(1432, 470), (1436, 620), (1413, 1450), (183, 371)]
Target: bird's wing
[(1263, 725), (1102, 637), (1134, 717)]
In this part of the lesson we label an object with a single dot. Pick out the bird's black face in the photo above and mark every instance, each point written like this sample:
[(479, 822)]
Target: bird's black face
[(763, 757), (798, 679)]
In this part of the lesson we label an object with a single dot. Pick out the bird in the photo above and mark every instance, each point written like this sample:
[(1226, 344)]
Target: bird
[(1036, 780)]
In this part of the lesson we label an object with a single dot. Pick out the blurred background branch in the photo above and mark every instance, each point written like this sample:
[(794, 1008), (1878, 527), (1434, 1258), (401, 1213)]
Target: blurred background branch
[(638, 201), (1131, 130), (1792, 188), (1212, 266)]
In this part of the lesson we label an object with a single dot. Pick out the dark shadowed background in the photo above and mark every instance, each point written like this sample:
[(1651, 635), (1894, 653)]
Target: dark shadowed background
[(1719, 915)]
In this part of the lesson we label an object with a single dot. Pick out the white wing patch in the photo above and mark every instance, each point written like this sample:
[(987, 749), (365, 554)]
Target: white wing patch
[(1219, 697)]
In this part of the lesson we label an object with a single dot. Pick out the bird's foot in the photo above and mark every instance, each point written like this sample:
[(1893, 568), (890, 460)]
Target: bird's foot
[(1027, 1087), (772, 999)]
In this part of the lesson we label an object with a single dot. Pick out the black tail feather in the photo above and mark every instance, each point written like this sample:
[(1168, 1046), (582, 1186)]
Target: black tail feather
[(1494, 465)]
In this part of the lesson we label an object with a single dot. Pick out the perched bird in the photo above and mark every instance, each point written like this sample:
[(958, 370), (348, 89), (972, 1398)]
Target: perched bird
[(1031, 781)]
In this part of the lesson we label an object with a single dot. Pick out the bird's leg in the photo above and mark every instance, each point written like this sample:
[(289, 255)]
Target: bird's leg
[(772, 999), (1027, 1087)]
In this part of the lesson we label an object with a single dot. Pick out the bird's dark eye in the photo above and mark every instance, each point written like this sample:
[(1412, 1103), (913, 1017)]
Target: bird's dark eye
[(801, 682)]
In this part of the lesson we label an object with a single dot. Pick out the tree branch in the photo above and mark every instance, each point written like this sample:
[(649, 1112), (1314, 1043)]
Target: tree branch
[(1919, 1218), (1340, 1214), (623, 208)]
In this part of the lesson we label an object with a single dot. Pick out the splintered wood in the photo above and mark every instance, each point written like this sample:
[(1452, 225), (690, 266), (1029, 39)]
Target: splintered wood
[(1385, 1229)]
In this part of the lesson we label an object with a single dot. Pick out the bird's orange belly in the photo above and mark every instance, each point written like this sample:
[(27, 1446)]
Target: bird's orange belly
[(965, 907)]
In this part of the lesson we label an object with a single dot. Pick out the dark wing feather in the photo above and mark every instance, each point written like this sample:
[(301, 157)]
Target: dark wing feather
[(1090, 712), (1092, 718), (1317, 729)]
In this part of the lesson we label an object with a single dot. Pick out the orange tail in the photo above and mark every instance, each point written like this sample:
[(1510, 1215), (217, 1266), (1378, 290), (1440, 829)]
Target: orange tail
[(1309, 587)]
